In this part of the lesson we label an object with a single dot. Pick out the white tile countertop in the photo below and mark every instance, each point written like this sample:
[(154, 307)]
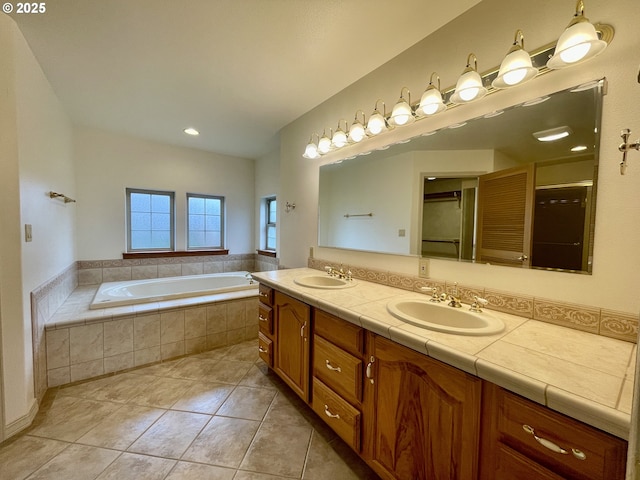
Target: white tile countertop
[(585, 376)]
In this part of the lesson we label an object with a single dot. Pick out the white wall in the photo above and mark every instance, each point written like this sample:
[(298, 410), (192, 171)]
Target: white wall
[(487, 30), (107, 163), (267, 184), (36, 155)]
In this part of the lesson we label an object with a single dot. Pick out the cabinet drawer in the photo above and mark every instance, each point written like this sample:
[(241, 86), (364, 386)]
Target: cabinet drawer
[(511, 464), (338, 369), (265, 319), (339, 415), (587, 452), (265, 349), (265, 294), (347, 336)]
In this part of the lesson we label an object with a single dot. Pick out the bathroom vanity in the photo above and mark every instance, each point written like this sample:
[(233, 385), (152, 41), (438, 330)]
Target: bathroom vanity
[(410, 415)]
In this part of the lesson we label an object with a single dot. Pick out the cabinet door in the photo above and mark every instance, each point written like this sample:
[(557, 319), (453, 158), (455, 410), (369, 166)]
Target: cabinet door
[(292, 325), (422, 416)]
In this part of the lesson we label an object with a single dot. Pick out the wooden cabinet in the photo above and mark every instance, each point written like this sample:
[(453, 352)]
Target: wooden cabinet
[(292, 325), (422, 419), (411, 417), (266, 344), (525, 440), (338, 349)]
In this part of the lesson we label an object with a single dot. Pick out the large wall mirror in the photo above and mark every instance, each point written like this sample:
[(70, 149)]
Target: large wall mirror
[(514, 187)]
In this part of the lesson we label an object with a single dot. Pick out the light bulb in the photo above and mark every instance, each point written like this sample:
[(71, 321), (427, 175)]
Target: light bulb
[(356, 133)]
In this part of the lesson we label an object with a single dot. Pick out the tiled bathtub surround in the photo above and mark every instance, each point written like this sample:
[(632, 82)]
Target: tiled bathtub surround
[(45, 300), (93, 272), (83, 343), (600, 321)]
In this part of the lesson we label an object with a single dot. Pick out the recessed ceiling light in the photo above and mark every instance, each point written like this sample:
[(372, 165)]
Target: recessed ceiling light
[(553, 134), (579, 148), (191, 131)]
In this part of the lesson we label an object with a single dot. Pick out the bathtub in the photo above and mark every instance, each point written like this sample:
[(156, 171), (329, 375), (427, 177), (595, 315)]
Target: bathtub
[(115, 294)]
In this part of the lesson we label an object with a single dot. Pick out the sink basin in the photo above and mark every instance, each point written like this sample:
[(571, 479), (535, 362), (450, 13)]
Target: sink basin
[(323, 281), (443, 318)]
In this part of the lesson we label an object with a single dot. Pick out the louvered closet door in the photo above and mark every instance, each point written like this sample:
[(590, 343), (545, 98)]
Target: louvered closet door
[(505, 216)]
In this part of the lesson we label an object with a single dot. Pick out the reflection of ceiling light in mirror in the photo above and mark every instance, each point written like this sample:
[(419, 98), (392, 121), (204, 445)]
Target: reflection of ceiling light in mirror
[(579, 148), (428, 134), (494, 114), (457, 125), (191, 131), (586, 86), (384, 147), (535, 101), (553, 134), (403, 141), (431, 178)]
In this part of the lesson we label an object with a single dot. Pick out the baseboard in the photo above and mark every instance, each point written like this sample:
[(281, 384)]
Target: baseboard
[(23, 422)]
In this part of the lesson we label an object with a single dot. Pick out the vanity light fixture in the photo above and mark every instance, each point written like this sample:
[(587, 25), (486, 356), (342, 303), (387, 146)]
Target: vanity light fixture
[(579, 42), (324, 144), (402, 113), (339, 138), (469, 86), (377, 123), (311, 150), (553, 134), (516, 68), (356, 131), (431, 101), (191, 131)]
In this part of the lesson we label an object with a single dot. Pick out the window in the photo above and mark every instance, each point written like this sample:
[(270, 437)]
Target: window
[(205, 221), (271, 208), (150, 216)]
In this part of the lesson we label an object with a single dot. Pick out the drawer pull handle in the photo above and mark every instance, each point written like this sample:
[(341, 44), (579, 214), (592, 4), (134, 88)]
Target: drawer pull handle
[(261, 349), (579, 454), (328, 413), (332, 368), (261, 318), (369, 372), (544, 442)]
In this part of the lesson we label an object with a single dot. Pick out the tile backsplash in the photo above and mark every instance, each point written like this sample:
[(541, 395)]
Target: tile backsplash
[(599, 321)]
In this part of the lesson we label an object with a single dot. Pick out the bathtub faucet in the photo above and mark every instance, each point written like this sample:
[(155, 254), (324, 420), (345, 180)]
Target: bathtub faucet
[(250, 277)]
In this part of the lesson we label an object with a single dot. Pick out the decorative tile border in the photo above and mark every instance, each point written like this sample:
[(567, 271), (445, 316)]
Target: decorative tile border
[(609, 323)]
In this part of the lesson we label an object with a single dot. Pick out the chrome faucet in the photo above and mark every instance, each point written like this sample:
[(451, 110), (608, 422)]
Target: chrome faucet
[(477, 303)]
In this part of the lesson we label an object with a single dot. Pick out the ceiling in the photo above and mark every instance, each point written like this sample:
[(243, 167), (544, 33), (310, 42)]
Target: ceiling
[(236, 70)]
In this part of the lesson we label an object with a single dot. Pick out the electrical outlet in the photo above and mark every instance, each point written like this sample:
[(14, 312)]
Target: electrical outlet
[(402, 232), (423, 268)]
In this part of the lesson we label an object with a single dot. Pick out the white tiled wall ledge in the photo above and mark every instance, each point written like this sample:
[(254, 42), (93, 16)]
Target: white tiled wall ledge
[(83, 343)]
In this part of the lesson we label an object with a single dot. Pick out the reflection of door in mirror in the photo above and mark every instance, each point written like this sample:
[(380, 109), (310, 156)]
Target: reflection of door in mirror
[(505, 209), (559, 228), (448, 216)]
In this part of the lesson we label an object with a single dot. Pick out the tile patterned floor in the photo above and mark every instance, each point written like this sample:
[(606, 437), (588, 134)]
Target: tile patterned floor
[(220, 415)]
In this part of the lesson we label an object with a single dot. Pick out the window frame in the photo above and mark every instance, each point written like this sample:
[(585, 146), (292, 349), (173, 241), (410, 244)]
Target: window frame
[(222, 199), (268, 223), (172, 219)]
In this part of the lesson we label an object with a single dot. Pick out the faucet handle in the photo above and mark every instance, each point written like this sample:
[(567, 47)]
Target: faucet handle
[(477, 303), (435, 297)]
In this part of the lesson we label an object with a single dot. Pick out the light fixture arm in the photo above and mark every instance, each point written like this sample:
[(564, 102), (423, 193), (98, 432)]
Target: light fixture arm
[(346, 125), (625, 147), (431, 80), (475, 63), (384, 107), (364, 119)]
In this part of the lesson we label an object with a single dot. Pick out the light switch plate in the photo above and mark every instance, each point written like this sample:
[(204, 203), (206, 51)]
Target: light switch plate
[(28, 235)]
